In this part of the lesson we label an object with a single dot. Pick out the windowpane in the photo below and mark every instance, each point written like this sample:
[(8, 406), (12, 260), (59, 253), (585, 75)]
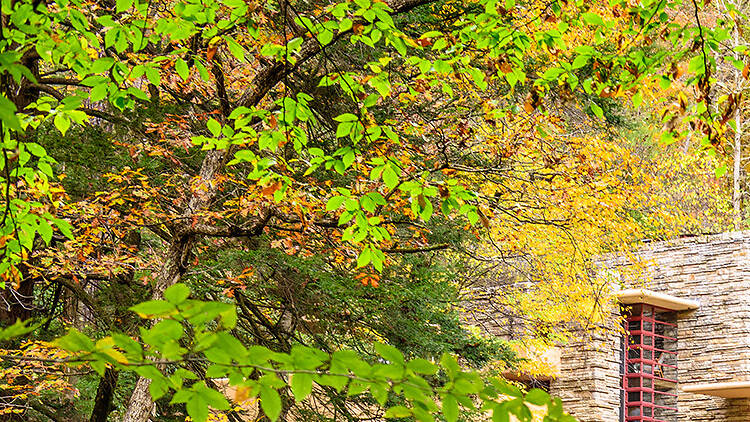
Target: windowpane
[(634, 354), (645, 363)]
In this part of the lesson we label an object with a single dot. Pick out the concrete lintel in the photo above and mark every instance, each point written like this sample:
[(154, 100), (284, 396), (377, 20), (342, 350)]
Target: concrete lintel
[(730, 390), (635, 296)]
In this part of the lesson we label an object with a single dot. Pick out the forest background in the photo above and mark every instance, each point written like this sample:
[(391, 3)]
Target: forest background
[(297, 201)]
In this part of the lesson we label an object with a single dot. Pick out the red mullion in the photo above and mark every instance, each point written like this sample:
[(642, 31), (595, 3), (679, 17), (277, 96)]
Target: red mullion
[(643, 418), (643, 376), (650, 362), (650, 319), (640, 417), (652, 405), (639, 390), (627, 376), (652, 348), (650, 333), (648, 390)]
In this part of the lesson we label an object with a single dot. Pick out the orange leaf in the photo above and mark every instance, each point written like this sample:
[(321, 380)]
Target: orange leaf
[(270, 189), (210, 52)]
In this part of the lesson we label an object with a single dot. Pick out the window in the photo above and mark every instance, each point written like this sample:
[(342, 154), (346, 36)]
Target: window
[(650, 364)]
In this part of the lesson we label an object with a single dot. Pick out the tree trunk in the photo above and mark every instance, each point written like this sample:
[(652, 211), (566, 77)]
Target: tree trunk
[(737, 174), (17, 303), (140, 405), (104, 394), (737, 167)]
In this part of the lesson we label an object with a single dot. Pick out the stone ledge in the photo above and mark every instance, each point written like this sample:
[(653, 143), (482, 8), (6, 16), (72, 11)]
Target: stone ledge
[(673, 303), (729, 390)]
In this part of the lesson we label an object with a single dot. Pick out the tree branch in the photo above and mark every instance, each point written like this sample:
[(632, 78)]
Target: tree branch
[(437, 247)]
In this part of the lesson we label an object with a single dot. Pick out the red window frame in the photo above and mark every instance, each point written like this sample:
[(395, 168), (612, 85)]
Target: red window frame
[(644, 365)]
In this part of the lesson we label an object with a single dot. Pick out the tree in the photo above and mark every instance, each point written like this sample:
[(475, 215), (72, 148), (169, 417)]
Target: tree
[(732, 84), (230, 149)]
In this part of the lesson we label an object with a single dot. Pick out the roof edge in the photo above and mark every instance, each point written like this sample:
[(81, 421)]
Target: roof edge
[(634, 296), (732, 389)]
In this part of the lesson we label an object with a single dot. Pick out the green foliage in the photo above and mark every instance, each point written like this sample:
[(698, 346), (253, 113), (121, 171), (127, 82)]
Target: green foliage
[(262, 372), (363, 167)]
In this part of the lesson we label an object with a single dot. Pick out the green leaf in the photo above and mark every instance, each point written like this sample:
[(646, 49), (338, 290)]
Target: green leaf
[(345, 24), (325, 37), (507, 389), (697, 65), (214, 127), (35, 149), (65, 228), (422, 366), (123, 5), (153, 76), (270, 402), (177, 293), (592, 19), (153, 308), (580, 61), (450, 408), (301, 386), (197, 408), (8, 114), (501, 413), (379, 392), (344, 129), (212, 397), (19, 328), (721, 170), (389, 353), (346, 117), (164, 330), (390, 177), (398, 412), (364, 257), (158, 388), (537, 397), (202, 70), (131, 347), (45, 231), (598, 112), (335, 203), (75, 341), (182, 69), (235, 48), (450, 364), (357, 387), (62, 123)]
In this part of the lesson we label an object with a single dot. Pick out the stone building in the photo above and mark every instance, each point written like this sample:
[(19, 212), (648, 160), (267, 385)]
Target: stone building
[(685, 355)]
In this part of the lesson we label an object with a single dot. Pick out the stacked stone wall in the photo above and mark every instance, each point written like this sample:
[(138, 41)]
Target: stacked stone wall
[(589, 381), (714, 340)]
